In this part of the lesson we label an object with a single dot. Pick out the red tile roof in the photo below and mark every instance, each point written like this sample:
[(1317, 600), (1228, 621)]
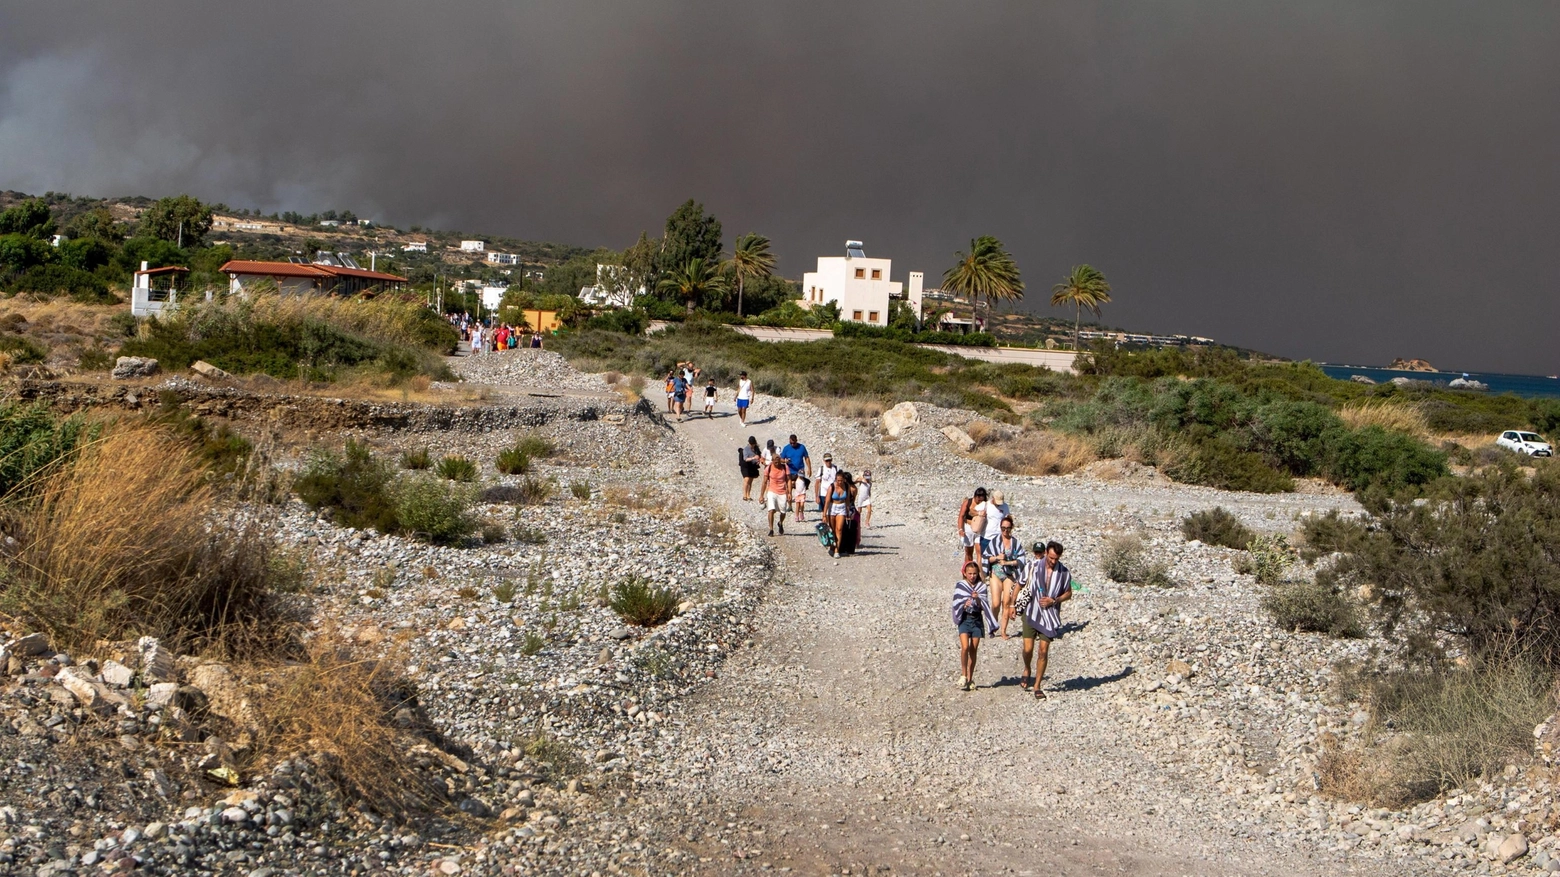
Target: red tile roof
[(168, 270), (292, 269)]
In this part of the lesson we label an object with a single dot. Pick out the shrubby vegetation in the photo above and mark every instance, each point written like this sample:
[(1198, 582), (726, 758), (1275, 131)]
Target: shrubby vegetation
[(360, 490), (1216, 526), (317, 338)]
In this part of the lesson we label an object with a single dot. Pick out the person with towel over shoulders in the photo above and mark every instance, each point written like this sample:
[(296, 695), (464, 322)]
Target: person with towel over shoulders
[(1041, 620), (973, 618)]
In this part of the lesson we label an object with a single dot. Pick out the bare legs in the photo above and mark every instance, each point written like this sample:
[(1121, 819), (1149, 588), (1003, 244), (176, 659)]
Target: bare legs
[(969, 648), (837, 524), (1006, 593), (747, 487), (1036, 647)]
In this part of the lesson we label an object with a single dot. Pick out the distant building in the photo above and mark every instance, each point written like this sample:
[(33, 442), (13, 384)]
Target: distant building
[(330, 223), (610, 290), (858, 284), (366, 223), (473, 246), (1120, 338), (503, 259), (336, 274), (415, 247), (155, 289), (493, 296)]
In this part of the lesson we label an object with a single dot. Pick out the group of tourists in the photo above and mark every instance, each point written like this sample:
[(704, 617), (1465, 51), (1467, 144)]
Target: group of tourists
[(1002, 582), (486, 338), (787, 480), (682, 383)]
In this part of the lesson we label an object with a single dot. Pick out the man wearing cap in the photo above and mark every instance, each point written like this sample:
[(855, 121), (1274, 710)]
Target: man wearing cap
[(1042, 619), (824, 482)]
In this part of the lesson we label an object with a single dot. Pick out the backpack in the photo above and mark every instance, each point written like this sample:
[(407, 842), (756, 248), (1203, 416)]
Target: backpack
[(671, 385)]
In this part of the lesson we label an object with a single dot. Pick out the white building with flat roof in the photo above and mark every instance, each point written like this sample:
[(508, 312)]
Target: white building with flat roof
[(503, 259), (860, 285), (472, 246)]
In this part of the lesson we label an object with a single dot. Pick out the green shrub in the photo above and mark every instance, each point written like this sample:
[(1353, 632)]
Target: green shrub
[(418, 460), (1268, 557), (23, 350), (629, 321), (1313, 607), (638, 602), (33, 441), (95, 359), (532, 643), (535, 491), (351, 486), (82, 286), (504, 591), (535, 446), (433, 509), (1216, 463), (1216, 526), (580, 489), (1373, 457), (1330, 533), (1125, 560), (493, 533), (527, 535), (457, 468), (513, 461)]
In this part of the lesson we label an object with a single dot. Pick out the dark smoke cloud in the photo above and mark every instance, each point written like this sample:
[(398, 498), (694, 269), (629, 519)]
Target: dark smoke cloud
[(1345, 181)]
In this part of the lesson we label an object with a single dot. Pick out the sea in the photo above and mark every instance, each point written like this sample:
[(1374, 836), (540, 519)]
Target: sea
[(1528, 386)]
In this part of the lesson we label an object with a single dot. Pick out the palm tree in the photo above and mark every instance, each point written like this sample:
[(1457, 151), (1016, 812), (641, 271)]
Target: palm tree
[(986, 270), (692, 282), (750, 258), (1085, 287)]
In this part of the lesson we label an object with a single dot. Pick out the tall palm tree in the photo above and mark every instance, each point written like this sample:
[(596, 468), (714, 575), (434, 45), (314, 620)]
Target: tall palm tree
[(693, 281), (1085, 287), (986, 270), (750, 258)]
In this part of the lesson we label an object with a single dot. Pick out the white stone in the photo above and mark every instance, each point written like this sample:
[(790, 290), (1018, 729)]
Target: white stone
[(899, 418), (117, 674), (959, 438)]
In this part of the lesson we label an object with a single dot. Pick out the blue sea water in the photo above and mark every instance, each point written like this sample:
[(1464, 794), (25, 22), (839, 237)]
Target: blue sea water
[(1530, 386)]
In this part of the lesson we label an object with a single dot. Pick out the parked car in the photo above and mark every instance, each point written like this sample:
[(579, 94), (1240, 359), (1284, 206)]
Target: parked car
[(1530, 443)]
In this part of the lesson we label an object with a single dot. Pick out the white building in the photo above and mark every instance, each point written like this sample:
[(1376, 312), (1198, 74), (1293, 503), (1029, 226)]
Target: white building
[(503, 259), (472, 246), (861, 286), (613, 288), (493, 296), (415, 247)]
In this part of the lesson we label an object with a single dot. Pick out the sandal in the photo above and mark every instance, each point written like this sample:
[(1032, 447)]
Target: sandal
[(1040, 693), (1023, 683)]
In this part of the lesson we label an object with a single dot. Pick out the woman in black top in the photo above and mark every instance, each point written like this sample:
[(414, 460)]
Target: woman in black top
[(748, 459)]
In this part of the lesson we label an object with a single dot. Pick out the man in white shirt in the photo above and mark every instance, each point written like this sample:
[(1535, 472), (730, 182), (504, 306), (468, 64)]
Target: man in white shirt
[(825, 480), (744, 396)]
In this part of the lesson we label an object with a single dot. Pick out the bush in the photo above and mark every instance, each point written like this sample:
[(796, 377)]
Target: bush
[(1216, 526), (1330, 533), (1125, 561), (82, 286), (493, 533), (457, 468), (535, 491), (535, 446), (33, 443), (580, 489), (433, 510), (352, 487), (88, 568), (1374, 457), (629, 321), (418, 460), (1313, 607), (95, 359), (1449, 728), (513, 461), (1268, 557), (22, 350), (639, 603), (1216, 463), (527, 535), (1474, 559), (1036, 452)]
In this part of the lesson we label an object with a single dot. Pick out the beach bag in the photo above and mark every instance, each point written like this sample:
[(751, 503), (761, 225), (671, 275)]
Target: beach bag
[(825, 535), (1025, 595)]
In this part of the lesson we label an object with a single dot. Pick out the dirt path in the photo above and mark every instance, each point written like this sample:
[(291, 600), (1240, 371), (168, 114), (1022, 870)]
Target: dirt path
[(844, 732)]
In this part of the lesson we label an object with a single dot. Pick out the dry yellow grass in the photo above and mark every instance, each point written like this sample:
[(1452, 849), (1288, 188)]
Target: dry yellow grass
[(1035, 452), (346, 712), (1388, 415), (860, 410), (119, 543)]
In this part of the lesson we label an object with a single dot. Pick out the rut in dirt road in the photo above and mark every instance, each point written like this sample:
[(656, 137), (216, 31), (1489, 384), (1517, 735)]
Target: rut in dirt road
[(846, 733)]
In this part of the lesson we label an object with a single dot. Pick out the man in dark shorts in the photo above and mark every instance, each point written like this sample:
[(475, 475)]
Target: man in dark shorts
[(1042, 620)]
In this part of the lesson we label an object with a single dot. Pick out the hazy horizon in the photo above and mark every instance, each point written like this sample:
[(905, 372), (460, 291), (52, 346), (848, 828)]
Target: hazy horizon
[(1333, 182)]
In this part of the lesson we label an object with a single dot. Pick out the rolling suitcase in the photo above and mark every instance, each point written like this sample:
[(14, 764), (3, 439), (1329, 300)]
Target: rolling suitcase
[(850, 534)]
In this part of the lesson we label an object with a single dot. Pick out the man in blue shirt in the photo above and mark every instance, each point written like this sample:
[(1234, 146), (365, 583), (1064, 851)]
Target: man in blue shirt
[(680, 394), (795, 455)]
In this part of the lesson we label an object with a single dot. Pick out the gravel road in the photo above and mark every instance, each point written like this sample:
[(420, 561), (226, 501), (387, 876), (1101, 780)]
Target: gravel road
[(844, 733)]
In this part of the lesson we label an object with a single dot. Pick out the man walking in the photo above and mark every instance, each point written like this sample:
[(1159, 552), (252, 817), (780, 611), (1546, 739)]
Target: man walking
[(744, 396), (1042, 619), (794, 453), (777, 490)]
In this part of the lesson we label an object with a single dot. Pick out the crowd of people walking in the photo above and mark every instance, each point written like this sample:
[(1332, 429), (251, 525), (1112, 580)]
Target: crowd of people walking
[(490, 337)]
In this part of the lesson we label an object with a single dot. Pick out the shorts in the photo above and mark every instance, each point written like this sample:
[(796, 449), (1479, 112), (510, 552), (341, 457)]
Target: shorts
[(708, 403), (749, 470), (742, 404), (973, 624), (774, 502), (1030, 633), (970, 540), (865, 504), (681, 397)]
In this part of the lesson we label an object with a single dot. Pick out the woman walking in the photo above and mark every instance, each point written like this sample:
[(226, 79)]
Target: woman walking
[(749, 460), (972, 618), (971, 525), (864, 498), (838, 504), (1007, 558)]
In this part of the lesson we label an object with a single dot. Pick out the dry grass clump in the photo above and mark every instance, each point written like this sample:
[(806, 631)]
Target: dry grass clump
[(638, 498), (859, 410), (1126, 560), (1435, 730), (640, 603), (1032, 452), (354, 716), (121, 542), (1399, 416)]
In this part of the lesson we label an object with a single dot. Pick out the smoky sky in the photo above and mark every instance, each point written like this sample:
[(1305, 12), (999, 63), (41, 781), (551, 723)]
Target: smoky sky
[(1340, 181)]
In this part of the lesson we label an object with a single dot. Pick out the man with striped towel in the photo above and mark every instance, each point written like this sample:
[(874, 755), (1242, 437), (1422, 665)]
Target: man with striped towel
[(1042, 618)]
